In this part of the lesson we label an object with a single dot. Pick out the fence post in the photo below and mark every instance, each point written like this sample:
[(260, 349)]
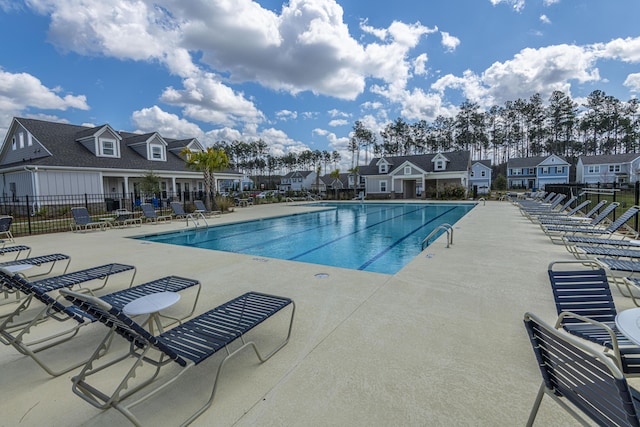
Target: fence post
[(28, 214), (636, 197)]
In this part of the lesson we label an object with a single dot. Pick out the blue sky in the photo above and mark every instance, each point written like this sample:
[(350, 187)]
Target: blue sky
[(299, 74)]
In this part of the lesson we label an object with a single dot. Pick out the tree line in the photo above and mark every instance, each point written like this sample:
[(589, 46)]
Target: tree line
[(522, 128)]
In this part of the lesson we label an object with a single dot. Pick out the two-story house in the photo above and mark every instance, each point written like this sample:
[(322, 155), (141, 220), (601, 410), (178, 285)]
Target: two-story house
[(607, 169), (480, 177), (298, 181), (407, 177), (536, 172), (40, 158)]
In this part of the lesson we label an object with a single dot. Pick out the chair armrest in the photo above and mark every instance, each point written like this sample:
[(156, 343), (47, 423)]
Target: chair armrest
[(612, 334)]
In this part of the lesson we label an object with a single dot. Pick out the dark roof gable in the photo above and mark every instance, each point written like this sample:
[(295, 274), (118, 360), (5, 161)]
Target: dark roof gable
[(458, 161), (61, 140)]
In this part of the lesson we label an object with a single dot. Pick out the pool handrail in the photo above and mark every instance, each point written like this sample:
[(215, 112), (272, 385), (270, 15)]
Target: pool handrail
[(444, 226)]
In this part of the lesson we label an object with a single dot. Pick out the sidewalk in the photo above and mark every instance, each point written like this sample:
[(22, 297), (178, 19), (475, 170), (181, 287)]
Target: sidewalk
[(439, 343)]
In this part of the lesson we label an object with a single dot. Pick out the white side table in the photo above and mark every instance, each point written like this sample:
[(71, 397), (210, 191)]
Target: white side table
[(18, 268), (628, 322), (151, 304)]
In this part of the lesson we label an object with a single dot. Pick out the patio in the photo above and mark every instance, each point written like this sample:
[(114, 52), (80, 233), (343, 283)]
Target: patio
[(440, 343)]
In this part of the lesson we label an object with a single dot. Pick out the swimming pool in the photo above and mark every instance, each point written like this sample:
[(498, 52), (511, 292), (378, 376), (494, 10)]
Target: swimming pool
[(376, 237)]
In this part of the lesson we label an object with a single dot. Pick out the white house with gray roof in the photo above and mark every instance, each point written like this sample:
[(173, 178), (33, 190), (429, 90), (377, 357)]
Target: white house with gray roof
[(607, 169), (41, 158), (406, 177)]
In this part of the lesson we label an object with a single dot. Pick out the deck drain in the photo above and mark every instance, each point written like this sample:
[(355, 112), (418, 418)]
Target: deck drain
[(321, 275), (429, 255), (261, 259)]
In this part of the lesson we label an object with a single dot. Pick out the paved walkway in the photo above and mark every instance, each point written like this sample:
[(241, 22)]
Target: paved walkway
[(440, 343)]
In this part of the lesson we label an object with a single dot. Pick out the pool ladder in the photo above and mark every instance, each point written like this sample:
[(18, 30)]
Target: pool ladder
[(444, 226), (195, 221)]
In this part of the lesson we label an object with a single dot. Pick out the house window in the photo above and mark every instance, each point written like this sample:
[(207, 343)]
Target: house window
[(29, 140), (156, 152), (383, 186), (472, 174), (593, 169), (483, 173), (108, 147), (383, 168), (21, 136), (13, 143), (614, 168), (545, 170), (407, 170)]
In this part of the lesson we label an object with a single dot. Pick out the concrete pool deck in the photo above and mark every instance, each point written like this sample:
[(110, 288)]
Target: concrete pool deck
[(439, 343)]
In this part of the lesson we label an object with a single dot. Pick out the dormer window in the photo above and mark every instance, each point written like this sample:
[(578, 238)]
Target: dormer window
[(157, 153), (108, 148), (383, 168), (439, 165)]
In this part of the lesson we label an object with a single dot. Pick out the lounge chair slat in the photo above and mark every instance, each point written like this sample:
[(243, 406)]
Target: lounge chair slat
[(70, 279), (166, 284), (38, 260)]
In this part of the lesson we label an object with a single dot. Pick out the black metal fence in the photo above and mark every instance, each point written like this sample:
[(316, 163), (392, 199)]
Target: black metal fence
[(50, 214), (627, 195)]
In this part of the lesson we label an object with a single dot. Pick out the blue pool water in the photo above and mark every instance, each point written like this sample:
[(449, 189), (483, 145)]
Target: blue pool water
[(376, 237)]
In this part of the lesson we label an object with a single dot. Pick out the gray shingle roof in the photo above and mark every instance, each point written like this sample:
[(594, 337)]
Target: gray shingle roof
[(458, 161), (61, 140), (486, 163), (609, 158), (529, 162)]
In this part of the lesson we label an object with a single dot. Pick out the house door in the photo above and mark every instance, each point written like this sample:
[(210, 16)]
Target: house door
[(409, 189), (532, 184)]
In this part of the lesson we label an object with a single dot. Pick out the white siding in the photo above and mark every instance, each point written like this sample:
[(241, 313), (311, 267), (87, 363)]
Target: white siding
[(54, 183)]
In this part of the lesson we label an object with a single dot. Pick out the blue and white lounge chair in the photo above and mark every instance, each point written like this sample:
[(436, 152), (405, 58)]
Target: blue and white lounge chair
[(573, 215), (15, 249), (82, 220), (586, 309), (38, 261), (150, 215), (187, 345), (178, 210), (553, 209), (556, 233), (25, 335), (543, 207), (5, 229), (550, 227), (201, 208), (576, 373)]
